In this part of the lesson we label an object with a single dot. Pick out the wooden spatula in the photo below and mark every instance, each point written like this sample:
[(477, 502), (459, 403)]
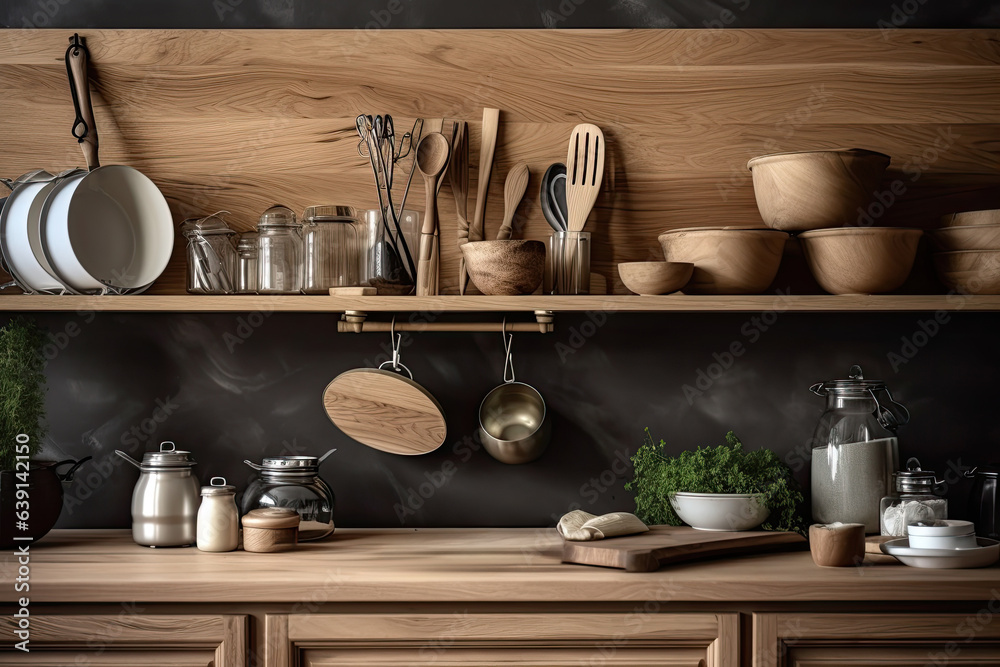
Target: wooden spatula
[(491, 125), (458, 175), (584, 173), (513, 193)]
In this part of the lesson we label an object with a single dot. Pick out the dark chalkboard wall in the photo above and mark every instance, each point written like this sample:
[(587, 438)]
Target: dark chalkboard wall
[(129, 381)]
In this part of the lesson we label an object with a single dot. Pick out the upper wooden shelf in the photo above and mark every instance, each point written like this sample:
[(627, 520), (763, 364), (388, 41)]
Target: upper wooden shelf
[(456, 304)]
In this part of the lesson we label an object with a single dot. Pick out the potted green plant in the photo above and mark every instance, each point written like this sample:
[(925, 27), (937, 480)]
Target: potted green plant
[(30, 490), (715, 488)]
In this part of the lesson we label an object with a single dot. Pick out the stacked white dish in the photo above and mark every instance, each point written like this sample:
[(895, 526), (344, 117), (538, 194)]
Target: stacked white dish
[(945, 544)]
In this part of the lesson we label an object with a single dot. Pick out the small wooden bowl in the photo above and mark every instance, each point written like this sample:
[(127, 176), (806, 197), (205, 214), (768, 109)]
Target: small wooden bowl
[(967, 237), (505, 268), (969, 271), (836, 545), (651, 278), (270, 529), (815, 189), (972, 218), (726, 261), (860, 260)]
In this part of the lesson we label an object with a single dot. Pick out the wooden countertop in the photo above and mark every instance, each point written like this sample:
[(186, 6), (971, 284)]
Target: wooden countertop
[(447, 565)]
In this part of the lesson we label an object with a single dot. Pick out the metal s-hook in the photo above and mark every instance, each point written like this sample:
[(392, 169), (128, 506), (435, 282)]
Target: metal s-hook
[(508, 363), (396, 341)]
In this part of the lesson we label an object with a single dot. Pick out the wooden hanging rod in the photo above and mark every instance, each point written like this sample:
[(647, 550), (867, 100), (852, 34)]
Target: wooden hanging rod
[(354, 321)]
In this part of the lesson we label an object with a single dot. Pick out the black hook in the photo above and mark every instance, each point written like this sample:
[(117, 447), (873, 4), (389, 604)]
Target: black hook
[(76, 44)]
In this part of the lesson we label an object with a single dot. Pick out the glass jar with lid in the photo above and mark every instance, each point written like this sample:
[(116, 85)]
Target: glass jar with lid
[(333, 243), (279, 252), (854, 450), (918, 496), (246, 263), (293, 482), (211, 255)]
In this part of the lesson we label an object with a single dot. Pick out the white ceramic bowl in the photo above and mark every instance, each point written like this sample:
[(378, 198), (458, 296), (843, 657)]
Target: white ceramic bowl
[(720, 511), (942, 534)]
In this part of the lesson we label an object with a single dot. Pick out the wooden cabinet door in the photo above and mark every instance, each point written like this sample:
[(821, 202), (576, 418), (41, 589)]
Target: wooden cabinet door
[(517, 640), (885, 639), (127, 639)]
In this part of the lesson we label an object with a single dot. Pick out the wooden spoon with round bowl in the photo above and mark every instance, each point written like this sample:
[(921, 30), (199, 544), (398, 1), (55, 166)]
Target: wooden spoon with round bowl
[(432, 158)]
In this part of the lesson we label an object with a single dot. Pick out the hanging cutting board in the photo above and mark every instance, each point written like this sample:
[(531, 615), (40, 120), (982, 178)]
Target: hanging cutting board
[(385, 410), (665, 545)]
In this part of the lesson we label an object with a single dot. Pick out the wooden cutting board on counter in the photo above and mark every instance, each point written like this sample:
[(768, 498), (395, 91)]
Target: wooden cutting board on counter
[(665, 545)]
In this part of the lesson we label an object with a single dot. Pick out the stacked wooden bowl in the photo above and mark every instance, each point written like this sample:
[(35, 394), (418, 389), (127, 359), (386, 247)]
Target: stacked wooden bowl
[(968, 257)]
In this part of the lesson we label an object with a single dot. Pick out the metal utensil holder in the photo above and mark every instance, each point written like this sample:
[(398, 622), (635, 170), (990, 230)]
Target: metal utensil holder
[(569, 262)]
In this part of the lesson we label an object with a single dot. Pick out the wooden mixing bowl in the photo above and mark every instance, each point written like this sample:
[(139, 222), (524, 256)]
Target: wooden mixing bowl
[(726, 261), (860, 260), (505, 268), (815, 189), (972, 218), (969, 271), (651, 278), (969, 237)]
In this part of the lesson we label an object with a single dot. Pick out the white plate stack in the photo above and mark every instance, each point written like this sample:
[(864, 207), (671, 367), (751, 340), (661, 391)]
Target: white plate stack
[(944, 544)]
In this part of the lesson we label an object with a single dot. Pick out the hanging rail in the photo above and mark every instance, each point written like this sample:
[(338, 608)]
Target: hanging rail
[(354, 321)]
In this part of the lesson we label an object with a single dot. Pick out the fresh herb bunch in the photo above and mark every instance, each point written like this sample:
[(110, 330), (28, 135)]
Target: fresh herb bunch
[(22, 388), (723, 469)]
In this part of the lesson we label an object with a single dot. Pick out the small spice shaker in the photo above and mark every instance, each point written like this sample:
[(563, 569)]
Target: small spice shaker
[(918, 498), (270, 529), (218, 518)]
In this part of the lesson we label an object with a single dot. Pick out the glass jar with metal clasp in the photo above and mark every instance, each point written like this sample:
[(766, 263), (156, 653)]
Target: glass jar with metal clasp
[(293, 482), (279, 252)]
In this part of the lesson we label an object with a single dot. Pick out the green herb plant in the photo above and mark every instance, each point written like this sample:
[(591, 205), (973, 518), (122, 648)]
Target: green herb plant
[(22, 388), (723, 469)]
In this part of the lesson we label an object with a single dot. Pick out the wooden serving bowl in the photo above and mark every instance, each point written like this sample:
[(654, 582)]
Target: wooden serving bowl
[(726, 260), (967, 237), (972, 218), (815, 189), (651, 278), (505, 268), (969, 271), (860, 260)]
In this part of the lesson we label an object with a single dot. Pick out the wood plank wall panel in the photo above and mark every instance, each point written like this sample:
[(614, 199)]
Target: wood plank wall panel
[(239, 120)]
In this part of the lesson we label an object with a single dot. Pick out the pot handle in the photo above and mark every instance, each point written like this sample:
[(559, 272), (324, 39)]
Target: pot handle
[(324, 457), (68, 475), (253, 465), (84, 128), (128, 458), (969, 474)]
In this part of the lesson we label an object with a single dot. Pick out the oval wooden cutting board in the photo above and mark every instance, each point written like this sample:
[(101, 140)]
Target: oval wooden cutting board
[(386, 411)]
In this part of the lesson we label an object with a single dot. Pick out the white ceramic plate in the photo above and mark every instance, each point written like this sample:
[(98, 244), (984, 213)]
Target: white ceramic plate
[(720, 511), (986, 554)]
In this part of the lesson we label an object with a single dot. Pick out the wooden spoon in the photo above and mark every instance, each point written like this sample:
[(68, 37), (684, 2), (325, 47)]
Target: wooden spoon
[(458, 174), (432, 157), (513, 193), (584, 173), (491, 125)]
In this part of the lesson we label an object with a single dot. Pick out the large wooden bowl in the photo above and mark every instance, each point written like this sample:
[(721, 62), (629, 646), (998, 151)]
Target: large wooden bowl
[(651, 278), (970, 237), (860, 260), (972, 218), (969, 271), (505, 268), (815, 189), (726, 261)]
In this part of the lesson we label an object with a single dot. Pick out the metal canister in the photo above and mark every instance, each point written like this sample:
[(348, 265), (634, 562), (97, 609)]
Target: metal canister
[(165, 499)]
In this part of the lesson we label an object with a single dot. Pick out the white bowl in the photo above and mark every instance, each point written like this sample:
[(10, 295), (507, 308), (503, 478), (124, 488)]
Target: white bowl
[(720, 511), (984, 555), (943, 541)]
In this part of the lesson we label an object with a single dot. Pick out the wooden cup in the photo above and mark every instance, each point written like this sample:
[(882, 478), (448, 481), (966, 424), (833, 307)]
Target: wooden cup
[(837, 544)]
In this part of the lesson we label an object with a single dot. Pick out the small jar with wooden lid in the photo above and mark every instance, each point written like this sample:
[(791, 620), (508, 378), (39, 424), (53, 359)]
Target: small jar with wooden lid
[(270, 529)]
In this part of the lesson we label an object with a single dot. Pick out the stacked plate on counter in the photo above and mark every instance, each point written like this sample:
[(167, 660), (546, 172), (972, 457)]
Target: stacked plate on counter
[(968, 260), (944, 545)]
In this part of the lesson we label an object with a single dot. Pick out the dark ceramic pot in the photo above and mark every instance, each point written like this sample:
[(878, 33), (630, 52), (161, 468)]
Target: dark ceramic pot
[(45, 499)]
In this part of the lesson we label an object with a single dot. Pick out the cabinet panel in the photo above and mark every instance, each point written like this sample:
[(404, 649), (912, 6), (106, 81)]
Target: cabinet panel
[(888, 640), (128, 638), (620, 640)]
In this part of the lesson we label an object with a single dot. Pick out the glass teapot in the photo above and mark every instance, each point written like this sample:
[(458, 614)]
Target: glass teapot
[(854, 450)]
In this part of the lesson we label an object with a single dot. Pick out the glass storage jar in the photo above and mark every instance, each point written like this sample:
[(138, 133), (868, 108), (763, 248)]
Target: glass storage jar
[(332, 239), (246, 263), (218, 518), (918, 497), (854, 450), (279, 252), (211, 255), (386, 263), (293, 482)]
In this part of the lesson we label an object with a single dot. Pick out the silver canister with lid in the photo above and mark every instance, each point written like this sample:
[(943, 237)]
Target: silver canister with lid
[(293, 482), (165, 499)]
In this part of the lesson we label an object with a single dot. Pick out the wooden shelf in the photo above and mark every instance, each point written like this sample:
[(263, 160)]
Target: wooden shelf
[(480, 304)]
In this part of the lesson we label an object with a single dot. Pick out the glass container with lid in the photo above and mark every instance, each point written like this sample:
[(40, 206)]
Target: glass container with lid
[(211, 255), (279, 252), (918, 497), (218, 518), (246, 263), (294, 482), (332, 239), (854, 450)]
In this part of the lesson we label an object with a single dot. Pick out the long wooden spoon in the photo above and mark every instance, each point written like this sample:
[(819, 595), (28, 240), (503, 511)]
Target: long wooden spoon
[(491, 125), (432, 158), (458, 174), (513, 193)]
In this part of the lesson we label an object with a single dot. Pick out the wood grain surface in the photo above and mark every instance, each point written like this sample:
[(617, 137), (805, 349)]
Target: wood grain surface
[(449, 565), (239, 120)]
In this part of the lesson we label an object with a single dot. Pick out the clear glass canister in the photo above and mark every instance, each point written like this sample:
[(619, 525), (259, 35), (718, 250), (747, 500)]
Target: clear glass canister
[(218, 518), (279, 252), (293, 482), (854, 450), (211, 255), (385, 265), (246, 263), (333, 243), (919, 497)]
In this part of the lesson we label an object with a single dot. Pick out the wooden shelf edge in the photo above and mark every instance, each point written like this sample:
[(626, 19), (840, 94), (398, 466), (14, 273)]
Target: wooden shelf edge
[(456, 304)]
